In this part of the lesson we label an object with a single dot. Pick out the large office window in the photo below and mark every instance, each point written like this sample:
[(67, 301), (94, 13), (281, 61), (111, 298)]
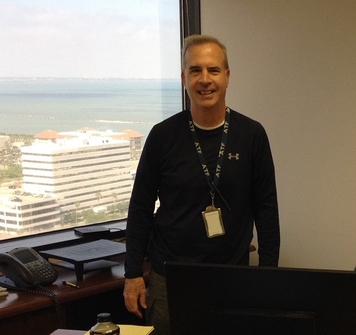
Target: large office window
[(81, 84)]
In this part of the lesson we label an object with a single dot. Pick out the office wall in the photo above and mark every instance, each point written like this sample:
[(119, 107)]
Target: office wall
[(293, 68)]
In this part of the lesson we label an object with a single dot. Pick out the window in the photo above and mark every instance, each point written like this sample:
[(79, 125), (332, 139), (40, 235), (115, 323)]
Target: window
[(81, 84)]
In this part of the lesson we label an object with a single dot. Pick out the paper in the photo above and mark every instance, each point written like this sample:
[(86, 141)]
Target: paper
[(3, 292), (133, 330)]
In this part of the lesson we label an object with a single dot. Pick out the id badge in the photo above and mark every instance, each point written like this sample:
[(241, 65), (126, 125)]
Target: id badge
[(213, 222)]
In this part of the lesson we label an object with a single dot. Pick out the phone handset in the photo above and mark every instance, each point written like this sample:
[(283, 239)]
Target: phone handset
[(26, 268)]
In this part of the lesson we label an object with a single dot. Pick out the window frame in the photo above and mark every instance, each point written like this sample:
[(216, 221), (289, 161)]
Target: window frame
[(190, 24)]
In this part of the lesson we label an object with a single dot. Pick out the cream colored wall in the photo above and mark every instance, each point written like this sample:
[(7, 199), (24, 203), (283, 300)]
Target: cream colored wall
[(293, 68)]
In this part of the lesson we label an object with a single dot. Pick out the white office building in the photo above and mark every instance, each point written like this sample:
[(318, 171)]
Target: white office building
[(84, 169), (26, 214)]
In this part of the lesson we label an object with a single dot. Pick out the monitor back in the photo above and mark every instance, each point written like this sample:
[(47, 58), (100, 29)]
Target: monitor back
[(226, 299)]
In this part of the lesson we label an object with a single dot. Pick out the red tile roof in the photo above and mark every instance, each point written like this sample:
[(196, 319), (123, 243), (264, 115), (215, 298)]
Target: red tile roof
[(49, 135)]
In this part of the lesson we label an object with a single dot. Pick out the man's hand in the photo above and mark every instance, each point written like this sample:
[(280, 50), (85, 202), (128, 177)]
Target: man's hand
[(135, 295)]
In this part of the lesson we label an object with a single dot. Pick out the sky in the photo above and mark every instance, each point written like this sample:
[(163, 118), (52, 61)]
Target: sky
[(90, 38)]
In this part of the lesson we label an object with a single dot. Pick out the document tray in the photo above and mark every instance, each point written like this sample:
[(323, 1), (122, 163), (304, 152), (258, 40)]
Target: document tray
[(83, 253)]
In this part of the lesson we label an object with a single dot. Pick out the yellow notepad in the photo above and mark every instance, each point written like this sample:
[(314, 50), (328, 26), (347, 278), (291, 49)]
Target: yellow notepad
[(133, 330)]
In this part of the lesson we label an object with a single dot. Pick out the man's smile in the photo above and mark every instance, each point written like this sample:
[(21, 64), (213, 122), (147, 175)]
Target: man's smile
[(206, 92)]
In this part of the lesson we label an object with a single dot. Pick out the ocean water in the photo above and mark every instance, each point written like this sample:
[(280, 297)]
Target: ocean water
[(30, 106)]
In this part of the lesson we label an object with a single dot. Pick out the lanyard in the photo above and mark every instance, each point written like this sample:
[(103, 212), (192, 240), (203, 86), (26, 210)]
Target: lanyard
[(213, 183)]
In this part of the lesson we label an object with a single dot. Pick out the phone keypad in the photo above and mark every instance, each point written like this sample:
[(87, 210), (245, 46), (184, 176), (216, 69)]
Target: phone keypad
[(44, 271)]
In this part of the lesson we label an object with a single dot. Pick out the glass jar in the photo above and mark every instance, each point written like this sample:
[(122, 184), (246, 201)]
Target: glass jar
[(104, 326)]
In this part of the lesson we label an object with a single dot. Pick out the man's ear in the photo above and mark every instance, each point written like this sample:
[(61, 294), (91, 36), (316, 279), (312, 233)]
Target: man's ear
[(228, 77)]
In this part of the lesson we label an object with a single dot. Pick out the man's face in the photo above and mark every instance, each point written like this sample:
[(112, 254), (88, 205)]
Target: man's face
[(205, 76)]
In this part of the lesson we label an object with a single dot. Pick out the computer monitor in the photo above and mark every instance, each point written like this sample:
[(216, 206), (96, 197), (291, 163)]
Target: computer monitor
[(249, 300)]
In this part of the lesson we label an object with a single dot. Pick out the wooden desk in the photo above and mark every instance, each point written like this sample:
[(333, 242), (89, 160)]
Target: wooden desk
[(100, 291)]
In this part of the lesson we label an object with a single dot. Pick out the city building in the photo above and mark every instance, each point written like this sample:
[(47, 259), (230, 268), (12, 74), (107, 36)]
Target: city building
[(26, 214), (84, 169), (136, 142)]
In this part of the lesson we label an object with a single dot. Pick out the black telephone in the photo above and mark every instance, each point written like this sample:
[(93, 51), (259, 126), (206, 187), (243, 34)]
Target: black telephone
[(26, 268)]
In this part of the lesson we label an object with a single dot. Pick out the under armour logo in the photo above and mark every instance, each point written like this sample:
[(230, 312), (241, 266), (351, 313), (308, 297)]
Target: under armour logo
[(232, 156)]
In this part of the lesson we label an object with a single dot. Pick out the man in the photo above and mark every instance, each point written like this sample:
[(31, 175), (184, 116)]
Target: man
[(213, 172)]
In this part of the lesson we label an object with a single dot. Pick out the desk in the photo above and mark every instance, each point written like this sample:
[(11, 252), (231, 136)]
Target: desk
[(36, 313)]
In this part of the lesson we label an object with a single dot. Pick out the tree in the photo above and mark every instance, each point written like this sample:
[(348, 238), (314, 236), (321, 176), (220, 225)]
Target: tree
[(114, 196), (77, 205), (98, 196)]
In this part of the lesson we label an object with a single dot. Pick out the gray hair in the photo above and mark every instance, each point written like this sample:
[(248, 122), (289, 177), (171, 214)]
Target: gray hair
[(199, 40)]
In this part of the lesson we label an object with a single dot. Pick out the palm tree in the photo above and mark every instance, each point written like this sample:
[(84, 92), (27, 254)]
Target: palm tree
[(98, 196), (77, 205), (114, 196)]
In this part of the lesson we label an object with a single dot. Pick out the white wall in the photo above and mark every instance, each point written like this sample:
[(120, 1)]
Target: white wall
[(293, 68)]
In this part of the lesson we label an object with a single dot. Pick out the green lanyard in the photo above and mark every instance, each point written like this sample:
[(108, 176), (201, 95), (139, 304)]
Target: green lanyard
[(212, 182)]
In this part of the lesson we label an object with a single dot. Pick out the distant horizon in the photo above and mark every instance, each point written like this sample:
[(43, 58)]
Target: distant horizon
[(30, 105)]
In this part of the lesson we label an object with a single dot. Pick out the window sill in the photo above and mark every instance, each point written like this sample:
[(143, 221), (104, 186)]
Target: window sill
[(61, 238)]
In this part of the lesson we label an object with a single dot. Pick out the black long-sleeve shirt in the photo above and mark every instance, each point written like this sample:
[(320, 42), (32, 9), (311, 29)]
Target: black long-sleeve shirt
[(169, 169)]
